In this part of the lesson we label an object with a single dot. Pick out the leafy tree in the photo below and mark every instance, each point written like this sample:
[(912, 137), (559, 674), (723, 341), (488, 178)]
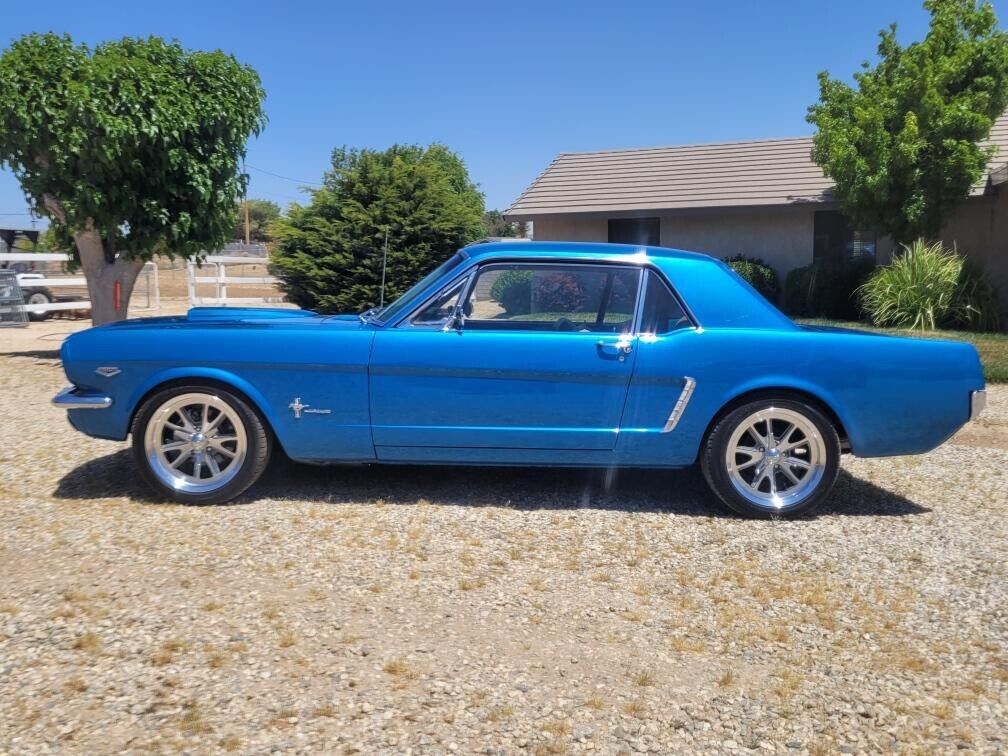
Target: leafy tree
[(329, 254), (902, 148), (131, 148), (495, 224), (262, 213)]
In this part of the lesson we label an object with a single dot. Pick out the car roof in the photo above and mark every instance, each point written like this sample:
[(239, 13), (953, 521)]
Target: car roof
[(577, 251)]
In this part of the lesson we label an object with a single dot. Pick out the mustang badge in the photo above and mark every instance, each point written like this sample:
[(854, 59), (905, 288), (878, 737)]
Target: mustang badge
[(297, 408)]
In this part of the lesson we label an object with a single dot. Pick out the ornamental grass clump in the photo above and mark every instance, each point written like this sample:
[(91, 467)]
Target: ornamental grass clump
[(929, 287)]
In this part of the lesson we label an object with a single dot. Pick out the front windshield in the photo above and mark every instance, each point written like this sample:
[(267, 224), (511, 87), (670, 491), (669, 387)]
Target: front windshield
[(396, 307)]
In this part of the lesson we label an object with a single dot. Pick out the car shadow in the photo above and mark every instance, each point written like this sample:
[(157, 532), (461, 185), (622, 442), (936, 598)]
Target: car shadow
[(670, 491), (38, 354)]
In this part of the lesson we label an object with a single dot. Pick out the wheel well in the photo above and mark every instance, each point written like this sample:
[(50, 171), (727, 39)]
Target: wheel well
[(783, 393), (209, 383)]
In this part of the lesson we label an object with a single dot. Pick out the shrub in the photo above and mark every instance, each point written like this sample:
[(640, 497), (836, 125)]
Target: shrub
[(827, 289), (558, 292), (930, 287), (757, 274), (513, 289)]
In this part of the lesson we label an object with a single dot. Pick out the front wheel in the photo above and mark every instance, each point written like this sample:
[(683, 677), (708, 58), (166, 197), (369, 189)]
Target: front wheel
[(199, 444), (772, 457)]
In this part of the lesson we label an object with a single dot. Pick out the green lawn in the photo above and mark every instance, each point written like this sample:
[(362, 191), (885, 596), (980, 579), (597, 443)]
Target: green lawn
[(993, 347)]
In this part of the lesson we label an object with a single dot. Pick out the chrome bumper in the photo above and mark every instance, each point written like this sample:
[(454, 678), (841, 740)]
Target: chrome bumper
[(74, 398), (978, 400)]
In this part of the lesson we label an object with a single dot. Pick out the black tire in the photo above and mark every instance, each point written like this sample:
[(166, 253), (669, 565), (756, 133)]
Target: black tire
[(37, 296), (257, 438), (714, 453)]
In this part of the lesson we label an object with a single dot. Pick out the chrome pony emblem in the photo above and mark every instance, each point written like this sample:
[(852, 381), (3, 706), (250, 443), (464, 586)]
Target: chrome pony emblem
[(108, 372), (297, 408)]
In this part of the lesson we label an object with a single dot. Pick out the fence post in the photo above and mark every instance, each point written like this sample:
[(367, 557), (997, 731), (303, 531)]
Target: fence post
[(222, 284)]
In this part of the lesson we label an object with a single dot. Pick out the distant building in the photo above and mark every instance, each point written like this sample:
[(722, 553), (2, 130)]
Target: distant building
[(762, 198)]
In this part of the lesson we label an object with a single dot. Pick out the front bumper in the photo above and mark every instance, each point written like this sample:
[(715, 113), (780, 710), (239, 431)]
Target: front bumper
[(978, 400), (72, 398)]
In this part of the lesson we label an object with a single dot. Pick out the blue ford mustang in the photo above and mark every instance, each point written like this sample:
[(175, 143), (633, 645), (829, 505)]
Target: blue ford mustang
[(523, 354)]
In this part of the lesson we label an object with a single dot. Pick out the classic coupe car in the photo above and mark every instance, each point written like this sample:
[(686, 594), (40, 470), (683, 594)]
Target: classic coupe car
[(530, 353)]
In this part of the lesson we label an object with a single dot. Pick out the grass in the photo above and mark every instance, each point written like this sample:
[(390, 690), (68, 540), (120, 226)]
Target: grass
[(402, 669), (993, 347), (88, 642)]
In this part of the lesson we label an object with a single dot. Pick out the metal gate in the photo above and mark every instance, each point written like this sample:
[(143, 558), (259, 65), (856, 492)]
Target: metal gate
[(12, 312)]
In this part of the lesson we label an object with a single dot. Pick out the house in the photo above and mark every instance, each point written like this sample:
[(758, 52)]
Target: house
[(762, 198)]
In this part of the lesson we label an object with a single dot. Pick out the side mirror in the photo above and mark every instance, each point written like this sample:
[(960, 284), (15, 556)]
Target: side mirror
[(456, 320)]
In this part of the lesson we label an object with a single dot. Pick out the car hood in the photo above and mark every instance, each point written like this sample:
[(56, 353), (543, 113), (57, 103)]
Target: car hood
[(237, 316)]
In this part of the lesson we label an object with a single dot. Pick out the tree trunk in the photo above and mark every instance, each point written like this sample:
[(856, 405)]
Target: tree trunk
[(102, 277)]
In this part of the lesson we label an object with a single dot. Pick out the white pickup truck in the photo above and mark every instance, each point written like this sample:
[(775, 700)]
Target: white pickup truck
[(34, 292)]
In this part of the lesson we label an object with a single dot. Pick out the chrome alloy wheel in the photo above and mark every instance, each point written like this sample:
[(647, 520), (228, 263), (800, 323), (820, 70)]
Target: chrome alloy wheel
[(775, 458), (195, 443)]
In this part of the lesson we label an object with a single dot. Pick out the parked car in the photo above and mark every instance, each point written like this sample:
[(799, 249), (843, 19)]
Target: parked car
[(523, 354)]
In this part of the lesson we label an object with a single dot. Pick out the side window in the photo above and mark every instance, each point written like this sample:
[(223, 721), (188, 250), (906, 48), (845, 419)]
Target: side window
[(437, 313), (662, 312), (578, 298)]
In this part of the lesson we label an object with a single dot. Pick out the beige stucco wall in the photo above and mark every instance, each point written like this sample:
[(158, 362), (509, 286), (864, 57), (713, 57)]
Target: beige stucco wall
[(782, 237)]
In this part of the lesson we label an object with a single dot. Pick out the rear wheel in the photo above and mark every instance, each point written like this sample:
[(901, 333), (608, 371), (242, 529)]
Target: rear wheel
[(199, 444), (772, 457)]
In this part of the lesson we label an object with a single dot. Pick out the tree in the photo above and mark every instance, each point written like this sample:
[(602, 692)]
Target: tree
[(131, 149), (903, 147), (495, 224), (262, 213), (329, 253)]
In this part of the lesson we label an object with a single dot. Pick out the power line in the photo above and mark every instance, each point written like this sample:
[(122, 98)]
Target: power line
[(285, 178)]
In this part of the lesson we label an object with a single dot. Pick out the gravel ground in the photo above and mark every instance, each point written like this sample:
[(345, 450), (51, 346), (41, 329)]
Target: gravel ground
[(433, 610)]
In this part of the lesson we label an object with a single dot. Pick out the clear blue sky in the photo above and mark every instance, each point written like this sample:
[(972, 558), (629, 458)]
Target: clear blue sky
[(507, 85)]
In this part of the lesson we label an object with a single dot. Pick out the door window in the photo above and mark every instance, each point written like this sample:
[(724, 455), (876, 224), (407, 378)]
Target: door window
[(538, 297)]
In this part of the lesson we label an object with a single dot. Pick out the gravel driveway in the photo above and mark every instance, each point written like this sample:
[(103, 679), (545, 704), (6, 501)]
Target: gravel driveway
[(471, 610)]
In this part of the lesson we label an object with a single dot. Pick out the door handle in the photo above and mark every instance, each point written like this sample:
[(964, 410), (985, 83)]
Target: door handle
[(622, 347)]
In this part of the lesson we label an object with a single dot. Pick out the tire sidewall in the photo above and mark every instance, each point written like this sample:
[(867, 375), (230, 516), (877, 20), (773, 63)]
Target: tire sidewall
[(258, 441), (716, 472), (28, 294)]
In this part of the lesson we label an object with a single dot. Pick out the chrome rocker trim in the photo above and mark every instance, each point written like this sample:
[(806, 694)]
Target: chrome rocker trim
[(978, 400), (73, 398), (680, 405)]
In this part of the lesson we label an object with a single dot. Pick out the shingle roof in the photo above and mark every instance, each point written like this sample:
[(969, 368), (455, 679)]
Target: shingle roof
[(727, 174)]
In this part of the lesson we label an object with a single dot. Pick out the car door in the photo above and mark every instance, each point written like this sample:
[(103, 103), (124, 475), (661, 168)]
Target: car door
[(539, 357), (660, 422)]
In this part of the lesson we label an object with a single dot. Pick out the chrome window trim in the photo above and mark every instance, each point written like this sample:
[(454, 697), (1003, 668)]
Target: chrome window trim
[(978, 401), (475, 272), (680, 405), (72, 398)]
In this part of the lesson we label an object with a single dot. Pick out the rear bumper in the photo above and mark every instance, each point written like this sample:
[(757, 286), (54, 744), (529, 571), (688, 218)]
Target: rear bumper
[(978, 400), (72, 398)]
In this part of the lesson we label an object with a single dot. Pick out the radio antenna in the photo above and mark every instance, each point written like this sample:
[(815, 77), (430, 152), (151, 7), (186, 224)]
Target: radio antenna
[(384, 262)]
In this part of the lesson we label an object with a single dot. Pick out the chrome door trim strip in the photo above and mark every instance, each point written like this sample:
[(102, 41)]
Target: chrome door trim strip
[(680, 405)]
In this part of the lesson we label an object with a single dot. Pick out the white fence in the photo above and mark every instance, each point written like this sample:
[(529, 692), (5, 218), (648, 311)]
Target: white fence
[(149, 296), (221, 281)]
